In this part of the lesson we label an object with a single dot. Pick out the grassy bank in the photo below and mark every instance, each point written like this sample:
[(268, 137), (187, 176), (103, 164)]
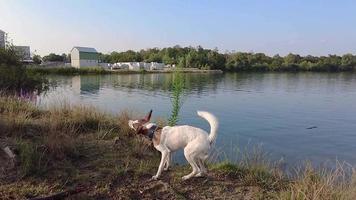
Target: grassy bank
[(71, 145)]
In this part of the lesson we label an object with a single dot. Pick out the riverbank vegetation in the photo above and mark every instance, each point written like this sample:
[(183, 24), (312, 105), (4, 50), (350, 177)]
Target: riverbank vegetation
[(68, 70), (191, 57), (14, 78), (72, 146)]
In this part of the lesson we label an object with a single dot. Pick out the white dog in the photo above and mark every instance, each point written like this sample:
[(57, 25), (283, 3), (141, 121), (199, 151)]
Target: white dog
[(195, 142)]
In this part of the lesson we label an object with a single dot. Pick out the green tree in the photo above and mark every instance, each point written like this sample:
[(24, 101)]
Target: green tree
[(52, 57), (292, 59), (37, 59), (348, 60)]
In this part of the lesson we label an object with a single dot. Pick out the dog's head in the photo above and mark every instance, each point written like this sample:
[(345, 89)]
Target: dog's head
[(141, 125)]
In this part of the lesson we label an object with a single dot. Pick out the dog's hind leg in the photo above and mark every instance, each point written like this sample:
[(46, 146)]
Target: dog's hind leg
[(191, 159), (202, 168), (168, 161)]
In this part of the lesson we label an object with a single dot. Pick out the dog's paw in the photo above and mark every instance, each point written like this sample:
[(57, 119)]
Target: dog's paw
[(185, 178), (200, 174), (154, 178)]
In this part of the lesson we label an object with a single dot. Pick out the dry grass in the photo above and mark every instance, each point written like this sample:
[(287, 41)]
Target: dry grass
[(310, 183), (306, 183), (254, 168), (45, 137)]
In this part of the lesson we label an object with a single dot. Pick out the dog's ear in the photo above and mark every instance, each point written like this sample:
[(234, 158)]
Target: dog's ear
[(148, 116), (146, 119)]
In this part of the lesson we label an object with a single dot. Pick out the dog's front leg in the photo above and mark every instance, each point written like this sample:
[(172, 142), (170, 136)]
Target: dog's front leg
[(161, 164)]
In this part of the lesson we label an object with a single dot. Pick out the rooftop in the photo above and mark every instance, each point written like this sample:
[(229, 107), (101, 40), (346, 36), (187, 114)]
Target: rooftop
[(86, 49)]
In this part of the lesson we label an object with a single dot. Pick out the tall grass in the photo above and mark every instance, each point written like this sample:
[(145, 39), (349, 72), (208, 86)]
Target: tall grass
[(304, 182), (321, 184), (46, 138), (253, 168)]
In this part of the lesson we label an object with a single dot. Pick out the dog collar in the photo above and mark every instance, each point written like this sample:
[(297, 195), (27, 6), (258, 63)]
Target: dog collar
[(151, 131)]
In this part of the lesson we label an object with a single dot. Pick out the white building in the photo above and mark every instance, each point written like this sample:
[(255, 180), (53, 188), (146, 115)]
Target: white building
[(84, 57), (126, 65), (138, 66), (147, 66), (135, 66), (120, 65), (105, 65), (2, 39), (24, 53), (156, 66)]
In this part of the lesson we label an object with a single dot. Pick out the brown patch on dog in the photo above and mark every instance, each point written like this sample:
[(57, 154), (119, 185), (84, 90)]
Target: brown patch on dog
[(157, 137), (142, 130)]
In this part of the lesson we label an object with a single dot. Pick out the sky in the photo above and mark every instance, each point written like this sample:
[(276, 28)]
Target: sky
[(316, 27)]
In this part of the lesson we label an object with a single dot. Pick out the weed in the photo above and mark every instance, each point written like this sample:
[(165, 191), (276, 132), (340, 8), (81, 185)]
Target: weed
[(176, 97), (30, 159)]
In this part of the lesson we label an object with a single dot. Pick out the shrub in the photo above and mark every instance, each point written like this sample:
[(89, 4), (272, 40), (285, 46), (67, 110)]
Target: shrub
[(13, 76)]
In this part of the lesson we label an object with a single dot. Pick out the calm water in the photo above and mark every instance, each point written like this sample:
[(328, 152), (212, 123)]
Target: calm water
[(272, 109)]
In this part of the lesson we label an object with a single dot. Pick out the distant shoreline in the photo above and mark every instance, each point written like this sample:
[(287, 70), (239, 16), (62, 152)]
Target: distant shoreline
[(98, 70), (82, 71), (187, 70)]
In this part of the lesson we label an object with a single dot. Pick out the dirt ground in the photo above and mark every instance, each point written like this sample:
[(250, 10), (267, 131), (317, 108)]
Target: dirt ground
[(107, 171)]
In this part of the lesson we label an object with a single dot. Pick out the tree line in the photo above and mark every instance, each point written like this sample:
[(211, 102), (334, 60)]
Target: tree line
[(198, 57), (52, 57), (201, 58)]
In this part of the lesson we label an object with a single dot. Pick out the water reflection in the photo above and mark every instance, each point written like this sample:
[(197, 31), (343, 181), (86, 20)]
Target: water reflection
[(85, 84)]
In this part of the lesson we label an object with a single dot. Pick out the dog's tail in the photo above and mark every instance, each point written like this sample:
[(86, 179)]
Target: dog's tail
[(214, 124)]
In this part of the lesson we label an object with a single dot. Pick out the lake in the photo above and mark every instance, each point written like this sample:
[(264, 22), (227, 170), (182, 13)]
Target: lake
[(294, 116)]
